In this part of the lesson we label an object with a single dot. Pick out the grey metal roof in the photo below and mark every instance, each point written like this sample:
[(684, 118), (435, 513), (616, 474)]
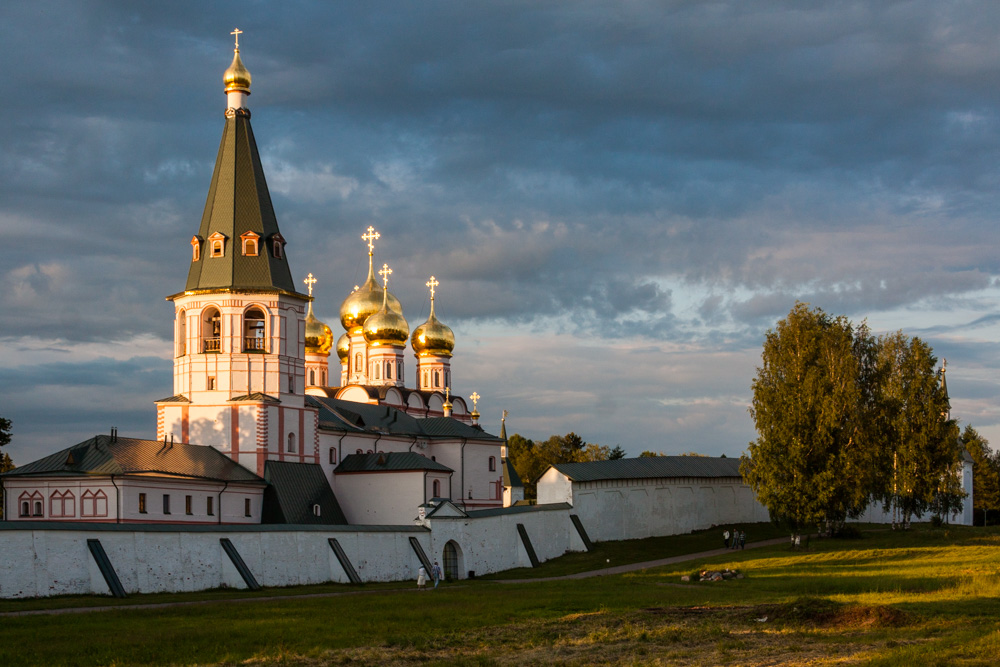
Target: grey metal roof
[(104, 455), (519, 509), (293, 490), (651, 467), (238, 202), (388, 462), (340, 415)]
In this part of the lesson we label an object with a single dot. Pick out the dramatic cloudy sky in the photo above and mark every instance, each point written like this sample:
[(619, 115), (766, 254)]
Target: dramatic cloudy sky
[(618, 198)]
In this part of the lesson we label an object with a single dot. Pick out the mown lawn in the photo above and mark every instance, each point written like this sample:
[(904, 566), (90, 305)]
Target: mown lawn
[(925, 597)]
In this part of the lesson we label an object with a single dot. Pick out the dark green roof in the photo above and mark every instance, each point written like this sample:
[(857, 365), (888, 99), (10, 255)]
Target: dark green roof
[(104, 455), (339, 415), (651, 467), (239, 202), (256, 396), (389, 462), (293, 490), (510, 476)]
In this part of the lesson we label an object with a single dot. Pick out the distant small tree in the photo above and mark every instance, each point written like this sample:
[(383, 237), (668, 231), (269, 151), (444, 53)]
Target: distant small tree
[(649, 454), (985, 472), (693, 454), (616, 453)]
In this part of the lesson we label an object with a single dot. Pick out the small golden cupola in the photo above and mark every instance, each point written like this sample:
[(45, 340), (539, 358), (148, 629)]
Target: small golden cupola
[(319, 337), (387, 326), (344, 347), (432, 338), (367, 300), (237, 76)]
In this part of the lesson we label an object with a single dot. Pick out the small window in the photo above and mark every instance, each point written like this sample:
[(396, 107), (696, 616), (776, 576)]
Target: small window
[(249, 243), (324, 377), (426, 383), (291, 384), (377, 368), (195, 248), (277, 246), (493, 464), (187, 505), (333, 456), (254, 331), (291, 443), (211, 383), (246, 507), (25, 504), (437, 379), (38, 508), (437, 488), (312, 378), (142, 503), (217, 242), (360, 451), (166, 503), (316, 510), (210, 506), (357, 362)]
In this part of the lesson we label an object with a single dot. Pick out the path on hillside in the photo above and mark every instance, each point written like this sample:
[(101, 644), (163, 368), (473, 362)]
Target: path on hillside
[(618, 569), (633, 567)]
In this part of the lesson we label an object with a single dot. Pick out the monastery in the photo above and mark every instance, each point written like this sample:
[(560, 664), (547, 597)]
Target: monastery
[(270, 468)]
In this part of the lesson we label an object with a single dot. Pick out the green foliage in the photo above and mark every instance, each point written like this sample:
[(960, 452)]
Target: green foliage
[(649, 454), (531, 459), (843, 417), (806, 460), (617, 452)]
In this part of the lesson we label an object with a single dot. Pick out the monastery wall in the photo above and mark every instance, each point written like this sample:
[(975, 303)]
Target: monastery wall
[(44, 559), (635, 509)]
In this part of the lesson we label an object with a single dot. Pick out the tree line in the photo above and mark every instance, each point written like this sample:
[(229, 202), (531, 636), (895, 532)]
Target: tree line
[(531, 459), (5, 463), (844, 419)]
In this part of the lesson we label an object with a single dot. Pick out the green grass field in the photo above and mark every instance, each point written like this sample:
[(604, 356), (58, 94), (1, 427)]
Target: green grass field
[(925, 597)]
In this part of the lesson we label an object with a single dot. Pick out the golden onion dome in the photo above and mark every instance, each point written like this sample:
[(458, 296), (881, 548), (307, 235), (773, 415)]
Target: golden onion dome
[(237, 77), (344, 347), (319, 337), (366, 301), (386, 327), (432, 338)]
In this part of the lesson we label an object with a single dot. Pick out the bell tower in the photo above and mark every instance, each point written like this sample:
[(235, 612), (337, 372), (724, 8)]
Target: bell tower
[(239, 327)]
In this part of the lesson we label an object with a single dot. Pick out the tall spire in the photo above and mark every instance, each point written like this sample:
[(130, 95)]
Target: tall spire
[(238, 246)]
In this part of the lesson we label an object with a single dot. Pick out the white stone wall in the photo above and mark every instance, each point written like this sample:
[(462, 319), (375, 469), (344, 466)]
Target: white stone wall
[(637, 508), (389, 498), (55, 560)]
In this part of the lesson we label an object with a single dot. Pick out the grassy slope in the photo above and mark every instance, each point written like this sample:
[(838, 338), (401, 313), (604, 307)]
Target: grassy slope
[(925, 597)]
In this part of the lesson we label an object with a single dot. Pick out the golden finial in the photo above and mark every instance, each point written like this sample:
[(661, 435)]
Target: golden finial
[(310, 281), (944, 365), (475, 400), (237, 32), (371, 237), (503, 417), (432, 283), (385, 272)]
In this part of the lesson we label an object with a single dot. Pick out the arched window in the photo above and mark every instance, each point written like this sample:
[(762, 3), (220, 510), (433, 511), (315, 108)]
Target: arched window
[(426, 383), (447, 378), (253, 331), (277, 245), (291, 384), (38, 508), (493, 464), (250, 243), (24, 508), (437, 489), (437, 379), (211, 330), (376, 371), (312, 378), (195, 248), (388, 370), (323, 373), (218, 244), (333, 456), (291, 443), (357, 362), (181, 333), (360, 451)]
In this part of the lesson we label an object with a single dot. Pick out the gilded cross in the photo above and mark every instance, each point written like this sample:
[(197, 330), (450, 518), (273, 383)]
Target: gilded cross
[(944, 364), (310, 281), (503, 417), (385, 273), (371, 237), (475, 399), (432, 283), (447, 394), (237, 32)]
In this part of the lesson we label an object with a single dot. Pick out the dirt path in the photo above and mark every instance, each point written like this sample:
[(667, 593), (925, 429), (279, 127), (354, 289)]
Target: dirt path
[(608, 571), (633, 567)]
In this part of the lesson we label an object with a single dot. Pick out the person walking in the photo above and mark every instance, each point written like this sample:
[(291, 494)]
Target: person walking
[(725, 537), (436, 574), (421, 578), (743, 540)]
